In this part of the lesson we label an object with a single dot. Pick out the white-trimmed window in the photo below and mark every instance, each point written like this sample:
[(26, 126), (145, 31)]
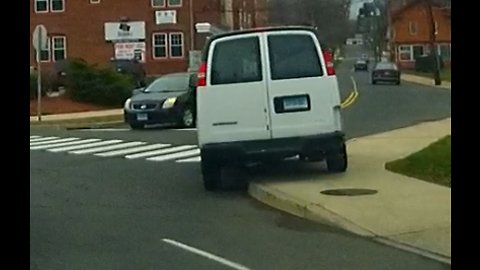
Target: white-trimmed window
[(412, 28), (174, 3), (176, 45), (405, 53), (59, 48), (418, 50), (45, 53), (444, 51), (158, 3), (159, 45), (57, 5), (41, 6), (94, 1)]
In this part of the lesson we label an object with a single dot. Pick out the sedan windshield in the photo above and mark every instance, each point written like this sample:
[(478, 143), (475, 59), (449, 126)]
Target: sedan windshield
[(177, 83)]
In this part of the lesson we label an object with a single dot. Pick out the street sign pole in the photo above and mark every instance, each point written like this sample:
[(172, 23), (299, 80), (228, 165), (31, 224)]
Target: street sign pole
[(39, 77)]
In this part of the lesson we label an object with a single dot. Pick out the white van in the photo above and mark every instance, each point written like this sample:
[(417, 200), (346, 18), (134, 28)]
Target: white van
[(267, 94)]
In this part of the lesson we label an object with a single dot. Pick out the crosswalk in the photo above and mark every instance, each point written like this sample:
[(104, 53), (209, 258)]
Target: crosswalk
[(156, 152)]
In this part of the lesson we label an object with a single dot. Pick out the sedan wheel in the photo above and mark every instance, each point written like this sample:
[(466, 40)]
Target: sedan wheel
[(188, 118)]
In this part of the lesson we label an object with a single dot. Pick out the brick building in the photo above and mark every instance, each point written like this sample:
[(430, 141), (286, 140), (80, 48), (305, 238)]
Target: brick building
[(160, 32), (410, 31)]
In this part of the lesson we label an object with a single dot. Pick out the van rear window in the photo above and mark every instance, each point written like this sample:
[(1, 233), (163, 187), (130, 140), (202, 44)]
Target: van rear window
[(293, 56), (236, 61)]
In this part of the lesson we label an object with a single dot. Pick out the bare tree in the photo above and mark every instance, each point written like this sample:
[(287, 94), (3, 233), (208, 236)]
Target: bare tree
[(330, 17)]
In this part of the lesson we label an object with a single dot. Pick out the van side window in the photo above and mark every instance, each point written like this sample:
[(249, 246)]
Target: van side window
[(236, 61), (293, 56)]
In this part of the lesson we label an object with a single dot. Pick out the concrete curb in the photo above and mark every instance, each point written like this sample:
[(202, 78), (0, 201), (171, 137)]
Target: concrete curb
[(318, 213), (78, 125), (78, 116), (425, 81), (297, 207)]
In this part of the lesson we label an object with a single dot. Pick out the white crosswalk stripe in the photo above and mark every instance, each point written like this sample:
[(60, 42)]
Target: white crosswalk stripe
[(132, 150), (192, 159), (107, 148), (55, 145), (161, 152), (175, 155), (157, 152), (53, 141), (43, 139), (83, 146)]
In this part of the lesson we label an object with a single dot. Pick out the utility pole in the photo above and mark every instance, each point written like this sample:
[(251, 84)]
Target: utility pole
[(433, 48)]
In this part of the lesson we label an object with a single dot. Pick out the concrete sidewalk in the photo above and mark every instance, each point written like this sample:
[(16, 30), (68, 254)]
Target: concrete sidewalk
[(425, 81), (76, 116), (405, 212)]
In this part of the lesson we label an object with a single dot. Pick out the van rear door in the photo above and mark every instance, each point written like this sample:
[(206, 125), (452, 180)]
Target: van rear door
[(302, 96), (233, 104)]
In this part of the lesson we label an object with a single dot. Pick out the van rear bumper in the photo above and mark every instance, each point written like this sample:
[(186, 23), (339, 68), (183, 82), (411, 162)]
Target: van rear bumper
[(246, 151)]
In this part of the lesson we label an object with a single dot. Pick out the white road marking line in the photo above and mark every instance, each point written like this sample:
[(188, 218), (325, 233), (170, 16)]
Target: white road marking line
[(176, 155), (107, 129), (53, 141), (83, 146), (186, 129), (133, 150), (43, 139), (34, 137), (161, 152), (193, 159), (107, 148), (205, 254), (46, 146)]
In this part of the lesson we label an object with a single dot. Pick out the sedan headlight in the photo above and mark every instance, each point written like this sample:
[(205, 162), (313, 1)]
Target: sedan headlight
[(169, 102), (126, 106)]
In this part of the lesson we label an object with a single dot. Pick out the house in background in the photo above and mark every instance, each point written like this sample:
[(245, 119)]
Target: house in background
[(410, 28)]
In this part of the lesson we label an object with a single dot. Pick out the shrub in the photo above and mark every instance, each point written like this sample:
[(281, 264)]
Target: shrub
[(425, 63), (88, 83), (47, 82)]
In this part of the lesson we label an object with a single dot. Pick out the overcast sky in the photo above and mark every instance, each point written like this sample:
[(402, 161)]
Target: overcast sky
[(356, 4)]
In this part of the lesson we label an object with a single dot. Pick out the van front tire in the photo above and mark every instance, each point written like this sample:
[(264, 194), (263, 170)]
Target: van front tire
[(338, 163)]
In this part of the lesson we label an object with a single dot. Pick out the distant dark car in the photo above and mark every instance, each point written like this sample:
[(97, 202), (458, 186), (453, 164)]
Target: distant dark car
[(366, 58), (360, 64), (132, 67), (168, 99), (386, 72)]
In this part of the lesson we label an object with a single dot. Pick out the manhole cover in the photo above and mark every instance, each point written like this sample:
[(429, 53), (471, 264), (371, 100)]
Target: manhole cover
[(349, 192)]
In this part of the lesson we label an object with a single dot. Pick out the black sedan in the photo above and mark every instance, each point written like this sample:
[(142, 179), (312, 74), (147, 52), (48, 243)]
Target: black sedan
[(169, 99), (386, 72), (360, 64)]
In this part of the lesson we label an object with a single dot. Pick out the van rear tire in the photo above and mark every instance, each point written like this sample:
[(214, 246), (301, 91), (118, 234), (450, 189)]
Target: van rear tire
[(338, 163), (212, 175)]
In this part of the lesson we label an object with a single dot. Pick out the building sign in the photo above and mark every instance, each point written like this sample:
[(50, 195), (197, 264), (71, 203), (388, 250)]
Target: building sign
[(130, 50), (120, 31), (166, 17)]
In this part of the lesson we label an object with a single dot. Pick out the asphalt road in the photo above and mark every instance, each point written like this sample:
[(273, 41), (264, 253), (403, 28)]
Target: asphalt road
[(89, 212)]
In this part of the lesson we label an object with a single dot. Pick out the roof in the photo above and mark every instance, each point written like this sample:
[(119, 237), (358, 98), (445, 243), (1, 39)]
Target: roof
[(254, 30), (263, 29), (396, 13)]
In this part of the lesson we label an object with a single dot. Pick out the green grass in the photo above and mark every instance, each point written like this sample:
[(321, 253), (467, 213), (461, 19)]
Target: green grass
[(445, 74), (431, 164)]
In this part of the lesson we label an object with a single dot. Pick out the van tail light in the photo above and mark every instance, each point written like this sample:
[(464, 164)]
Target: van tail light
[(202, 75), (327, 56)]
